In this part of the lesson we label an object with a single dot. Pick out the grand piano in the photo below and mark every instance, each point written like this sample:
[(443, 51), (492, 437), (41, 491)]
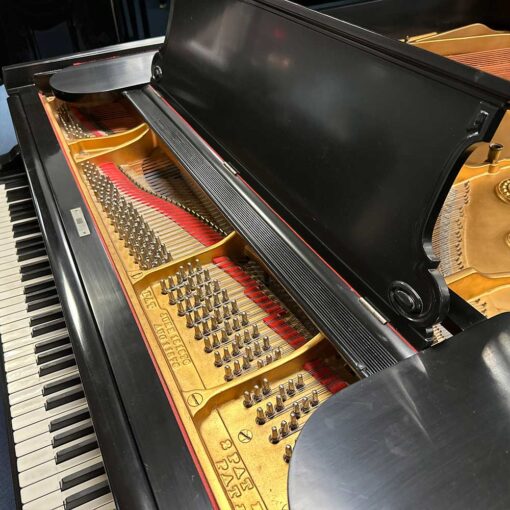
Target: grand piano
[(263, 262)]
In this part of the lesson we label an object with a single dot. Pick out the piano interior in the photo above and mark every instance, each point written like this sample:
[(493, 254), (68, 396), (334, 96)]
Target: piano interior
[(471, 236), (244, 366)]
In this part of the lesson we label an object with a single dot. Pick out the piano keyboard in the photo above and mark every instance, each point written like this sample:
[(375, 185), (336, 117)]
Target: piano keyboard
[(59, 463)]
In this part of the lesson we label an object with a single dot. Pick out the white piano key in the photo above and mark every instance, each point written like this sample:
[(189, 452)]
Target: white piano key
[(30, 340), (34, 380)]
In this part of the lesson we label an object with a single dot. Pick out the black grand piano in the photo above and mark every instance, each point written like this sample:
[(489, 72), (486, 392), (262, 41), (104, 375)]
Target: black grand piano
[(262, 263)]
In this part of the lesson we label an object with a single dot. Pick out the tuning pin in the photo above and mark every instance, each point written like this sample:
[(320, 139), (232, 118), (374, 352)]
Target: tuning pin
[(261, 417), (209, 305), (214, 323), (164, 287), (198, 265), (244, 318), (182, 273), (247, 337), (198, 279), (226, 312), (305, 404), (238, 339), (279, 403), (249, 352), (256, 349), (188, 305), (196, 301), (198, 333), (235, 349), (189, 267), (247, 401), (207, 275), (187, 289), (257, 393), (234, 306), (269, 409), (180, 295), (216, 286), (208, 290), (189, 320), (266, 388), (205, 328), (224, 295), (300, 381), (216, 301), (235, 324), (315, 398), (277, 353), (237, 367), (196, 317), (228, 327), (207, 344), (294, 423), (224, 336), (171, 298), (266, 345), (228, 373), (269, 359), (296, 409), (180, 309), (282, 392), (284, 429), (288, 453), (226, 354), (217, 359), (274, 437), (246, 363), (255, 331), (200, 293), (260, 364), (217, 316), (215, 340), (291, 388)]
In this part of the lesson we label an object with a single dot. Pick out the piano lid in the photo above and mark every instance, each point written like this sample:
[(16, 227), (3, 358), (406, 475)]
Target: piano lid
[(352, 137)]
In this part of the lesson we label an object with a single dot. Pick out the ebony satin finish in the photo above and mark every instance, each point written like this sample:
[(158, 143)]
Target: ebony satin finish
[(352, 137), (104, 76), (429, 433)]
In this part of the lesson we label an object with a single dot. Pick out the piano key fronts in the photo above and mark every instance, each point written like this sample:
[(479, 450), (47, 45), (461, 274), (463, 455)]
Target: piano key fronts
[(58, 459)]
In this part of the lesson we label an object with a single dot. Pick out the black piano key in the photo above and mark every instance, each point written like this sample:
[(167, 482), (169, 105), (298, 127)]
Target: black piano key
[(86, 495), (32, 273), (43, 302), (66, 436), (24, 228), (67, 420), (54, 366), (60, 384), (31, 288), (74, 479), (34, 240), (63, 398), (45, 318), (54, 354), (21, 213), (50, 343), (17, 193), (47, 327), (31, 253), (77, 449)]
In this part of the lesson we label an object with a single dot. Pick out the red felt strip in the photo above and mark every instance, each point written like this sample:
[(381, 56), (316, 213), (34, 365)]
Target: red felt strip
[(193, 226)]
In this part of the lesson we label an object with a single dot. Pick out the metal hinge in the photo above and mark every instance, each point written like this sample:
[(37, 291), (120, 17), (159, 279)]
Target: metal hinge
[(230, 168), (376, 313)]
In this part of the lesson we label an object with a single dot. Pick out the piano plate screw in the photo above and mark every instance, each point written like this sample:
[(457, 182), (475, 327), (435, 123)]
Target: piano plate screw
[(269, 409), (257, 394), (288, 453), (300, 381), (274, 437), (284, 429), (315, 398), (237, 367), (305, 404), (294, 424), (291, 388), (265, 343), (246, 363), (207, 344), (228, 373), (247, 401), (198, 333), (279, 403), (261, 417), (266, 388)]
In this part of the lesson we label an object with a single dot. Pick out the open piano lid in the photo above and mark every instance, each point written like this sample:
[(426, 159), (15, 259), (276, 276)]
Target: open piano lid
[(354, 138)]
